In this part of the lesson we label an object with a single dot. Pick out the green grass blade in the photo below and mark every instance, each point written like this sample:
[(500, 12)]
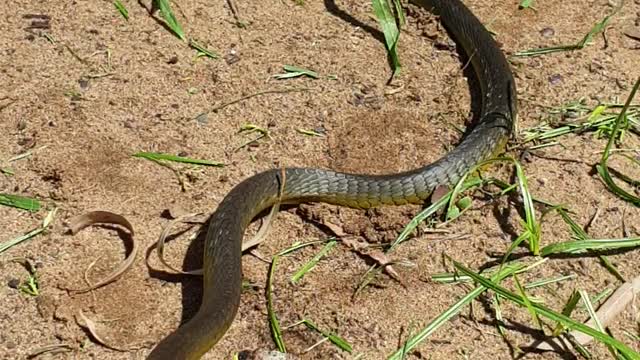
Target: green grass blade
[(274, 324), (45, 224), (335, 339), (387, 21), (300, 245), (121, 9), (174, 158), (295, 71), (170, 19), (202, 50), (432, 209), (20, 202), (309, 133), (580, 234), (581, 246), (566, 311), (313, 262), (544, 282), (528, 303), (598, 27), (592, 314), (603, 168), (530, 216)]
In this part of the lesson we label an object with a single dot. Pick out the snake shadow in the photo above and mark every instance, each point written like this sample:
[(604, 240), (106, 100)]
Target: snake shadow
[(191, 290)]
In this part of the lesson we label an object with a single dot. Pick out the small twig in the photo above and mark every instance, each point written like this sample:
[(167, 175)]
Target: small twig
[(236, 13)]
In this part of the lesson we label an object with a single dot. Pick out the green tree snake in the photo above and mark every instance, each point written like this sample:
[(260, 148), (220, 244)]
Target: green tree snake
[(222, 253)]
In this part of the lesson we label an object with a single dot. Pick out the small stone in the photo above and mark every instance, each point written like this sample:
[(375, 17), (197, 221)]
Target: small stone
[(84, 83), (232, 57), (13, 283), (172, 60), (555, 79), (21, 125), (202, 119), (547, 32)]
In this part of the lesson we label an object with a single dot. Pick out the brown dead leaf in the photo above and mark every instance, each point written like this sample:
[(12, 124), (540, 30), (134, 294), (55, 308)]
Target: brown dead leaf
[(439, 192), (354, 243), (337, 230), (104, 217), (383, 260), (257, 239), (163, 237), (94, 329)]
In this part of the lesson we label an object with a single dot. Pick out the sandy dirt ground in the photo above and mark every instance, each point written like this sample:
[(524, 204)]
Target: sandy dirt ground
[(85, 89)]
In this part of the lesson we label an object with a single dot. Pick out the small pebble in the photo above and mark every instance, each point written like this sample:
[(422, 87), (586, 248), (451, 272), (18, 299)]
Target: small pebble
[(547, 32), (21, 125), (172, 60), (555, 79), (202, 119), (13, 283), (232, 57), (84, 83)]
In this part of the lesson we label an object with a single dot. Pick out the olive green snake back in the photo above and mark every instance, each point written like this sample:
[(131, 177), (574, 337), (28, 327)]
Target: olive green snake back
[(222, 255)]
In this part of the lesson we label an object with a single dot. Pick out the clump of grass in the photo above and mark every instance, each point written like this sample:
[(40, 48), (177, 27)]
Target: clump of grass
[(599, 119), (580, 243), (507, 271), (30, 286)]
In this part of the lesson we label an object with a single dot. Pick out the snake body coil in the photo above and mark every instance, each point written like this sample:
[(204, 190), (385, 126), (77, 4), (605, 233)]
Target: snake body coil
[(222, 255)]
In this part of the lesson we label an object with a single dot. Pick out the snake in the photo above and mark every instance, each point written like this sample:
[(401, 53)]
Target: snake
[(222, 255)]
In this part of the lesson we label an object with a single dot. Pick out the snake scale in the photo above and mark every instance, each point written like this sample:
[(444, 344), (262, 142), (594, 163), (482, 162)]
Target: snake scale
[(222, 254)]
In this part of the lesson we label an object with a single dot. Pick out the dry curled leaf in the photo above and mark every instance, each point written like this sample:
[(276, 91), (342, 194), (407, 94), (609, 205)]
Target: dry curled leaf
[(104, 217), (612, 307), (336, 229), (383, 260), (162, 239), (94, 329), (354, 243), (380, 257), (257, 239)]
